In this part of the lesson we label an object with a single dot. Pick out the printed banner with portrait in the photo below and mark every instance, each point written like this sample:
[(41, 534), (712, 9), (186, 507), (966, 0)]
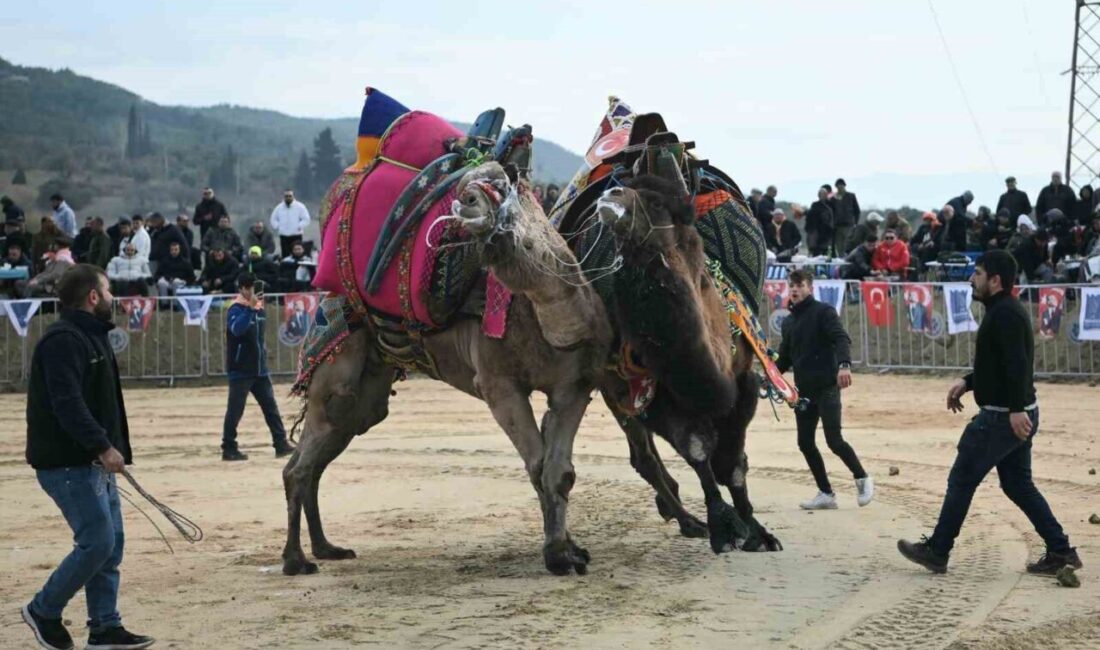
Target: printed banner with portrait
[(298, 312), (139, 311), (1052, 304), (779, 294), (918, 306)]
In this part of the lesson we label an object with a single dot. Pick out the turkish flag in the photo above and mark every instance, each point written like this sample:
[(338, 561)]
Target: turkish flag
[(876, 295)]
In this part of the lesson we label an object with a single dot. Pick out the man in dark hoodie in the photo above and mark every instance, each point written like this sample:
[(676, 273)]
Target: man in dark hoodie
[(208, 211), (1002, 432), (819, 224), (1014, 200), (1084, 208), (78, 441), (246, 365)]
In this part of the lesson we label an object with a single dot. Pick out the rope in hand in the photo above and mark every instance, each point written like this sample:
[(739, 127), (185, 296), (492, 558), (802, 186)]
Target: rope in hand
[(188, 529)]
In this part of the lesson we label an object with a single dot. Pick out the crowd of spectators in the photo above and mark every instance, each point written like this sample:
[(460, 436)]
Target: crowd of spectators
[(1062, 227), (148, 254)]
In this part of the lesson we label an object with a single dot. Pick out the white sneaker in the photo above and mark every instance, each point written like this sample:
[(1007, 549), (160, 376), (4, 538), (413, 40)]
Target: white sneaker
[(821, 502), (865, 490)]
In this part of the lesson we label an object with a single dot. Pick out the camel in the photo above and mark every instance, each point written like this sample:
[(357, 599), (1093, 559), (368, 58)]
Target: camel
[(667, 309), (556, 342)]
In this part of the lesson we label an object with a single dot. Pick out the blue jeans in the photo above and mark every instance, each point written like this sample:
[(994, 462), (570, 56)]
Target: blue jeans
[(988, 442), (262, 390), (88, 498)]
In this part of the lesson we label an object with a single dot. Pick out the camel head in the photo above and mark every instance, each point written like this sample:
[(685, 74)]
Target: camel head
[(483, 199), (666, 303)]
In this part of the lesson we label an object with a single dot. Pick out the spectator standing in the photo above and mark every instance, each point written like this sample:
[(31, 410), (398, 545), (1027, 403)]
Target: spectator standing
[(1084, 207), (1001, 434), (846, 211), (859, 233), (1054, 196), (246, 365), (259, 235), (552, 194), (164, 234), (139, 237), (754, 202), (118, 232), (819, 224), (891, 256), (129, 272), (859, 260), (782, 236), (80, 242), (766, 208), (63, 216), (183, 222), (223, 237), (1014, 200), (208, 211), (11, 210), (895, 222), (815, 344), (77, 441), (174, 271), (99, 245), (220, 273), (289, 220), (961, 203)]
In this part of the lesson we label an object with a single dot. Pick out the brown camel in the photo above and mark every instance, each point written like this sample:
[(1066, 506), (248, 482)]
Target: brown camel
[(555, 343)]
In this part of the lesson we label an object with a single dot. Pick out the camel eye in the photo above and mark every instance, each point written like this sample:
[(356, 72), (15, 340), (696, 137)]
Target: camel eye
[(470, 199)]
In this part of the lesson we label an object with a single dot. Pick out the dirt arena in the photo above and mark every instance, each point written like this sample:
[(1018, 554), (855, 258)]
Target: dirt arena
[(448, 533)]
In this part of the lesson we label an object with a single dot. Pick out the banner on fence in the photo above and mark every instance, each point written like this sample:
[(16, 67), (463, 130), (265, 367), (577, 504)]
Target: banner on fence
[(830, 292), (876, 295), (139, 311), (779, 293), (195, 309), (1052, 304), (1089, 319), (20, 313), (918, 306), (298, 312), (957, 297)]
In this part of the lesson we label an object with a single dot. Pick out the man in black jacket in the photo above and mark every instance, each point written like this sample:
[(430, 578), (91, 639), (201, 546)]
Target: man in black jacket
[(815, 344), (766, 206), (1000, 435), (208, 212), (77, 440), (845, 216), (781, 236), (819, 224), (162, 234), (1057, 195), (1014, 200), (952, 232), (174, 271)]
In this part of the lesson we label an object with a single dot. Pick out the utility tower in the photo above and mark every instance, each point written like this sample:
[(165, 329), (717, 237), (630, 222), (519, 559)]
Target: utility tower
[(1083, 145)]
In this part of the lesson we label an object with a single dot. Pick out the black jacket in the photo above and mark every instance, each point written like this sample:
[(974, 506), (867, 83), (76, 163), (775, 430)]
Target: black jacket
[(74, 401), (176, 268), (859, 263), (786, 240), (207, 214), (845, 209), (1004, 356), (264, 269), (158, 248), (814, 344), (819, 218), (764, 210), (1082, 209), (1017, 203), (951, 237), (1050, 198), (227, 271), (1030, 255)]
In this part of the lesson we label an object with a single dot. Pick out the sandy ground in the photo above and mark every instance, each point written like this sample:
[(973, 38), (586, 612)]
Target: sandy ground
[(447, 529)]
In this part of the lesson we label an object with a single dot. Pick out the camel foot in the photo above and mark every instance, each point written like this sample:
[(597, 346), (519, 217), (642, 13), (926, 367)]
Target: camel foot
[(760, 540), (727, 530), (293, 566), (667, 512), (563, 556), (691, 526), (330, 552)]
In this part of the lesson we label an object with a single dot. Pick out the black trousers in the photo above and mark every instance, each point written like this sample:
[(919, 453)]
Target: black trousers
[(826, 408), (286, 243), (988, 442), (261, 389)]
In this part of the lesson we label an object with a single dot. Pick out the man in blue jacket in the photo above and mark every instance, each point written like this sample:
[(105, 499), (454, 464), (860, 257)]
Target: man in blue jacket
[(246, 365)]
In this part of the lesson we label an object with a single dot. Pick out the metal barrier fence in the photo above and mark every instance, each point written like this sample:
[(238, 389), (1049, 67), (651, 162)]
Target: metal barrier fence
[(167, 349)]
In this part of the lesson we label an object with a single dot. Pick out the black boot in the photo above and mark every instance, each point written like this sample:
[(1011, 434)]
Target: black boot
[(283, 448), (1051, 562), (233, 454), (50, 632), (921, 553), (118, 638)]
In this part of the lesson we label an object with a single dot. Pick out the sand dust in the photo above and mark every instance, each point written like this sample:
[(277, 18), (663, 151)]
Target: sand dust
[(447, 528)]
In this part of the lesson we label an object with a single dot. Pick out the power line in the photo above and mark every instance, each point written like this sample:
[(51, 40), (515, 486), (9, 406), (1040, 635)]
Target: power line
[(1035, 52), (962, 89)]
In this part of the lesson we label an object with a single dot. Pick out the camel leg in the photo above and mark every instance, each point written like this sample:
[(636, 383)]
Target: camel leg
[(731, 463), (346, 398), (559, 430), (646, 461)]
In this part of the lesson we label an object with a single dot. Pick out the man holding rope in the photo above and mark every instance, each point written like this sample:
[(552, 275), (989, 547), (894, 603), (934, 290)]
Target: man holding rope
[(77, 441), (1000, 434)]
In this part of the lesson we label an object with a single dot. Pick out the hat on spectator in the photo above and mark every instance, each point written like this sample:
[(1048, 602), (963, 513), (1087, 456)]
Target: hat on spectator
[(256, 249), (928, 216), (15, 220), (1025, 220), (875, 217), (1010, 179)]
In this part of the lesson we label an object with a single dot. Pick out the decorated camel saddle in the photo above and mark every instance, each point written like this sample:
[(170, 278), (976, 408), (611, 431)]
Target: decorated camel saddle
[(390, 259), (627, 144)]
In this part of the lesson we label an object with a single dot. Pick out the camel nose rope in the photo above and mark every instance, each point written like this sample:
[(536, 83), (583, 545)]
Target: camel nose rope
[(188, 529)]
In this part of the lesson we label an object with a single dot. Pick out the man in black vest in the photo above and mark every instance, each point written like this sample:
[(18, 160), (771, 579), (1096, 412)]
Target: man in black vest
[(77, 440), (1000, 434)]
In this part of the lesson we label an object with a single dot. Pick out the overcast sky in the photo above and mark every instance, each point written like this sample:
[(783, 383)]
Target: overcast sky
[(787, 92)]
